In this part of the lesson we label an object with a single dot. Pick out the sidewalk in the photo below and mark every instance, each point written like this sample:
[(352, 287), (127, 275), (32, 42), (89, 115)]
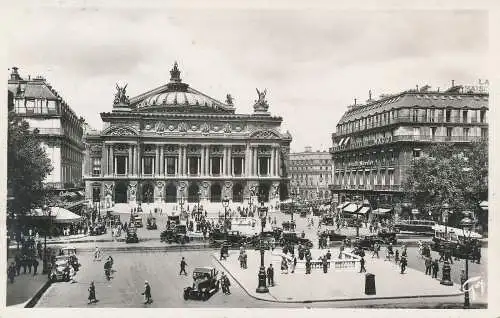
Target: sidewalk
[(25, 286), (335, 285)]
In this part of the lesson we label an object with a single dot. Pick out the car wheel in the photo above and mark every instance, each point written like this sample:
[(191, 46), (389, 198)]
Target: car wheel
[(186, 296), (205, 295)]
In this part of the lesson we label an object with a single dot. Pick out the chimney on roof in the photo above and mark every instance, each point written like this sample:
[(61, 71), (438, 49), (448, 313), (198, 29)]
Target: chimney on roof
[(355, 101), (452, 83), (370, 95), (308, 149)]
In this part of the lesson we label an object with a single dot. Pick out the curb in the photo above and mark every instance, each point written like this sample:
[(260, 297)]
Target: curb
[(133, 248), (34, 300), (334, 299)]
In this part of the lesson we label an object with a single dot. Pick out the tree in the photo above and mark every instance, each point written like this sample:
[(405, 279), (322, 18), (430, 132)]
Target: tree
[(451, 174), (27, 166)]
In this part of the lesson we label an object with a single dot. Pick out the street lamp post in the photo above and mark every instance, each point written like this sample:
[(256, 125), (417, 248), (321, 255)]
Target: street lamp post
[(181, 203), (445, 212), (47, 212), (262, 288), (225, 204), (358, 200), (198, 209), (467, 225)]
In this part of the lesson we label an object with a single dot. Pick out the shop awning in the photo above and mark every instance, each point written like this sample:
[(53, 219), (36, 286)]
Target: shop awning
[(364, 210), (381, 211), (80, 193), (351, 208), (64, 216), (342, 205), (347, 140), (341, 141)]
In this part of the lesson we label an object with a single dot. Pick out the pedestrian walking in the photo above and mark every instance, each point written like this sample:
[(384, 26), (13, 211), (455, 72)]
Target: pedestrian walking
[(435, 268), (294, 263), (396, 257), (270, 275), (29, 262), (462, 280), (428, 265), (92, 298), (11, 272), (183, 267), (147, 293), (284, 266), (324, 263), (404, 262), (362, 263)]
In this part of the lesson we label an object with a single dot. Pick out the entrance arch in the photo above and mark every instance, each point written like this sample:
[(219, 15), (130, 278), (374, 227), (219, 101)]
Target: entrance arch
[(193, 193), (121, 192), (283, 191), (171, 193), (264, 189), (238, 192), (148, 193), (215, 193)]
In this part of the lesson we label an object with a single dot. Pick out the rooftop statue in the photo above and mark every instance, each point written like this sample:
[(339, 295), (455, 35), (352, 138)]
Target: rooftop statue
[(121, 95), (229, 99), (261, 103)]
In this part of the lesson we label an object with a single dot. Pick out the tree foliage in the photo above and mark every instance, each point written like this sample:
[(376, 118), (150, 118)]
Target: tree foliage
[(27, 166), (449, 174)]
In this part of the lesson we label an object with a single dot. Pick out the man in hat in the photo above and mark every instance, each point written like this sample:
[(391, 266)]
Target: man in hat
[(270, 275), (183, 267), (92, 298), (147, 293)]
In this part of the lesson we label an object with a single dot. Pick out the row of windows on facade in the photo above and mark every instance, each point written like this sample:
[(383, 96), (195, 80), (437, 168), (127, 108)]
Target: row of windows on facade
[(68, 153), (380, 177), (432, 132), (309, 177), (416, 153), (295, 168), (310, 162), (71, 174), (417, 115), (171, 166), (314, 194), (307, 182)]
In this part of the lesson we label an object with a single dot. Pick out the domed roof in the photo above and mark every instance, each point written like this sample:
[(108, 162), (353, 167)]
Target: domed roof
[(177, 96)]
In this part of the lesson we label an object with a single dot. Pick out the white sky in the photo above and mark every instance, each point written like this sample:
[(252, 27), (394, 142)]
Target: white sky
[(312, 62)]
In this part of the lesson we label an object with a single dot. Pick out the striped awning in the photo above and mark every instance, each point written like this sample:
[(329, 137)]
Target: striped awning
[(341, 141), (342, 205), (364, 210), (351, 208)]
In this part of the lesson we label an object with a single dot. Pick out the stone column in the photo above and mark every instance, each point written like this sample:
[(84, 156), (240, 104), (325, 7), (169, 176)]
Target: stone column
[(111, 169), (129, 168), (278, 162), (162, 161), (229, 161), (184, 160), (198, 159), (179, 162), (202, 160), (157, 161), (247, 161), (255, 161), (138, 159), (273, 157), (104, 160), (208, 170)]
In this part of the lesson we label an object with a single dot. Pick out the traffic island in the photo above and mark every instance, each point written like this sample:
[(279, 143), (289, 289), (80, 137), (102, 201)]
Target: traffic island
[(339, 283)]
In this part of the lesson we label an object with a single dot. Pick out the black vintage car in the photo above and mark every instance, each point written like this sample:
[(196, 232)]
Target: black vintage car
[(367, 242), (288, 238), (151, 223), (233, 238), (175, 233), (132, 235), (267, 239), (334, 237), (98, 229), (205, 284)]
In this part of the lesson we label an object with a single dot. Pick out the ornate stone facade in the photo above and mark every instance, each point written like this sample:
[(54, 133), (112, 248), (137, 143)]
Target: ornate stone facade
[(183, 145)]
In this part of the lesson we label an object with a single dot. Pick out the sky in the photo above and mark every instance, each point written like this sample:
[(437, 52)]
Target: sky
[(313, 63)]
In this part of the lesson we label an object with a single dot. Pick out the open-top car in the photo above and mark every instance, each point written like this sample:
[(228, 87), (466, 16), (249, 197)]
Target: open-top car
[(132, 235), (205, 284)]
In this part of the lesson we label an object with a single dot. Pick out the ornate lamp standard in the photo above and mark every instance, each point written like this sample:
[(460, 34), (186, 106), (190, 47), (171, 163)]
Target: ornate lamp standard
[(357, 199), (467, 225), (293, 194), (225, 204), (262, 288), (444, 215), (181, 203), (46, 212), (198, 209)]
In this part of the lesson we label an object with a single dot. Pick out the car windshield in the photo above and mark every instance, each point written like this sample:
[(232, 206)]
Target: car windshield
[(200, 275)]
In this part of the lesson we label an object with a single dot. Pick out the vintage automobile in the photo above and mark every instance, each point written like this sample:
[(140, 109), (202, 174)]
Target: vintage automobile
[(151, 223), (332, 236), (205, 284), (288, 237), (289, 225), (98, 229), (367, 242), (267, 239), (304, 212), (327, 220), (132, 235), (175, 233), (232, 238), (60, 270), (387, 236), (136, 219), (455, 243)]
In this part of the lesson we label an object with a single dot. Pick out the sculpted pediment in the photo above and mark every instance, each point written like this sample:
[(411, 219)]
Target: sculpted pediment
[(265, 134), (120, 131)]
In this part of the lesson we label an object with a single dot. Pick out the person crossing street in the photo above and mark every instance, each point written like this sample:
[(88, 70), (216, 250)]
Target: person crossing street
[(147, 293), (270, 275), (362, 263), (92, 298), (183, 265)]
